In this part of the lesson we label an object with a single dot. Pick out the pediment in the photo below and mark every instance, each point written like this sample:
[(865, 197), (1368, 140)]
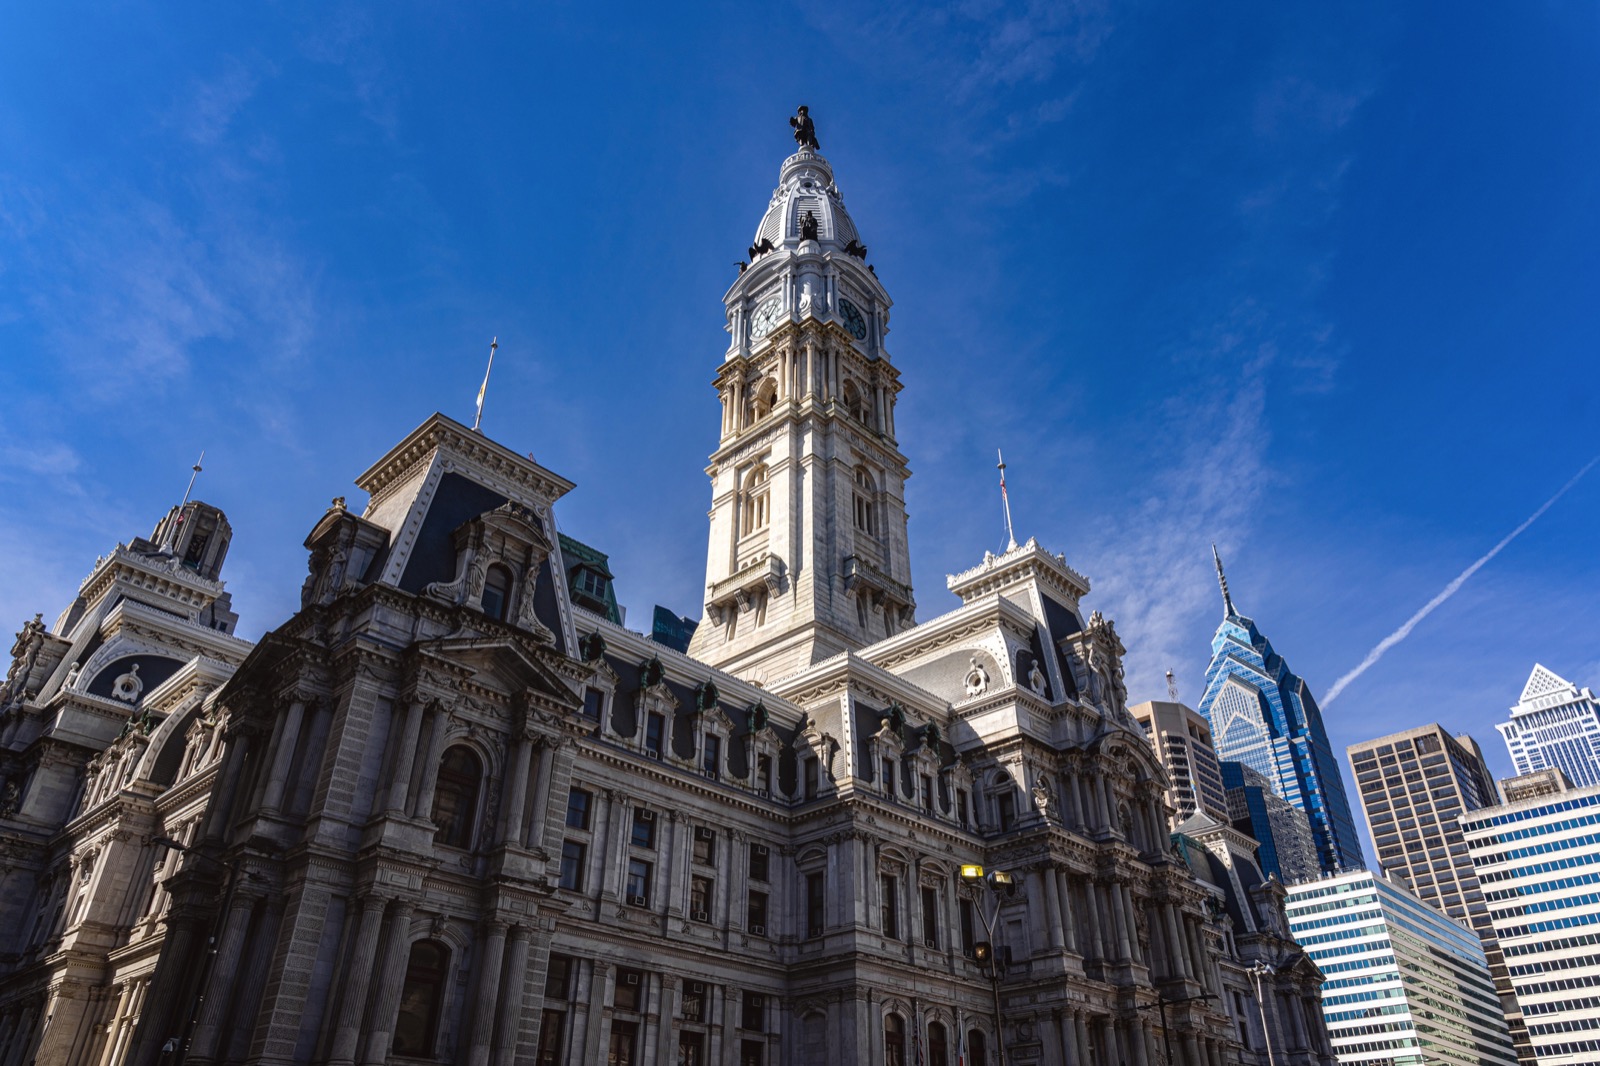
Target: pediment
[(506, 666), (1543, 682)]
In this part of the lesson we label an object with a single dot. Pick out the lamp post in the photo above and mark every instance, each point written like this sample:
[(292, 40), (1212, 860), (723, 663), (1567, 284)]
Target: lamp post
[(1258, 971), (1162, 1003), (978, 879)]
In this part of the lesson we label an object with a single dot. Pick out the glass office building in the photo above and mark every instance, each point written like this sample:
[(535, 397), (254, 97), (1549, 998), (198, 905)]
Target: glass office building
[(1264, 716), (1538, 859), (1404, 985), (1287, 849)]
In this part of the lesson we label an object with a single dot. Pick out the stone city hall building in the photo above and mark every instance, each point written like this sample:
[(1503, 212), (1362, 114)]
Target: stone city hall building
[(450, 812)]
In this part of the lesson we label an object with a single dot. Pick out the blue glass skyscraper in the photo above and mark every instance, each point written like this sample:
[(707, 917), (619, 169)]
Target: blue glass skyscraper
[(1263, 715)]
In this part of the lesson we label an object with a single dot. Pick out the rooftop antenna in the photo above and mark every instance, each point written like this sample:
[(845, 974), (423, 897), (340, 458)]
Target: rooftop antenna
[(1172, 687), (1222, 579), (1011, 537), (484, 388), (196, 468)]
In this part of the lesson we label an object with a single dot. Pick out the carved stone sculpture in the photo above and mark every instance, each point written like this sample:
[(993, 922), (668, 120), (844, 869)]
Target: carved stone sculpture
[(977, 679), (128, 687)]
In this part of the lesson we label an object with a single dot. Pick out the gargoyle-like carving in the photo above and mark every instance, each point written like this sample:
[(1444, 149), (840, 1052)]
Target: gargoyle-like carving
[(856, 248)]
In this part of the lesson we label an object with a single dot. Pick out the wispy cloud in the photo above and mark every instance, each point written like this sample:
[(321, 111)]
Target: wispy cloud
[(1449, 590)]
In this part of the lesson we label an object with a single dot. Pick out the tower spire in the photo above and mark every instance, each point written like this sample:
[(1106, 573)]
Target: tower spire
[(1222, 579)]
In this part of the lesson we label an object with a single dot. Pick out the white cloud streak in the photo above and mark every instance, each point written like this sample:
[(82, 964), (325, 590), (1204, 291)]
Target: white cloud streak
[(1449, 590)]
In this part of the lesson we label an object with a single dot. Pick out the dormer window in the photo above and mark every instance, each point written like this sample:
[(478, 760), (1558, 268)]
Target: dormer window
[(497, 592)]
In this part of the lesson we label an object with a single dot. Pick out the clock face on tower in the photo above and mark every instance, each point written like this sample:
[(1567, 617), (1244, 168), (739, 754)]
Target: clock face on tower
[(765, 318), (853, 321)]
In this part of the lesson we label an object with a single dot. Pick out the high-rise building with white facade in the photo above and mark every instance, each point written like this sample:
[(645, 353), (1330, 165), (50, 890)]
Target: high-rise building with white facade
[(1555, 725), (1414, 788), (1537, 857), (1182, 740), (1404, 985)]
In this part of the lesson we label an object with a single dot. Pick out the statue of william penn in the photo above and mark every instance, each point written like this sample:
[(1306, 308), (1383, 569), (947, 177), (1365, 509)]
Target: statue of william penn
[(805, 134)]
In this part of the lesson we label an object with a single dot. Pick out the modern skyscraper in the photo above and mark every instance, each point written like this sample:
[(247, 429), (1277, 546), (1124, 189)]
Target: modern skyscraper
[(1182, 741), (1264, 716), (1287, 849), (1555, 724), (1405, 985), (1414, 788), (1537, 857)]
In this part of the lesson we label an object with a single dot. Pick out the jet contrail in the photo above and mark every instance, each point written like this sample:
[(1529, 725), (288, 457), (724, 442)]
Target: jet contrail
[(1449, 590)]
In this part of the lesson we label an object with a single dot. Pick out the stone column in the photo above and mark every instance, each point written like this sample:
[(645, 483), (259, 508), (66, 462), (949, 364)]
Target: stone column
[(482, 1033), (1130, 922), (405, 758), (223, 806), (516, 793), (666, 1037), (423, 808), (510, 1016), (283, 756), (203, 1046), (357, 980), (396, 955), (1119, 920), (257, 966), (1062, 887), (269, 757), (1096, 920), (1080, 1037), (1046, 880), (541, 795), (1138, 1037)]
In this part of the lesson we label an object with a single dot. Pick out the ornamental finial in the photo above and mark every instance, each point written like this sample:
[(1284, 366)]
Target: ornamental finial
[(805, 132)]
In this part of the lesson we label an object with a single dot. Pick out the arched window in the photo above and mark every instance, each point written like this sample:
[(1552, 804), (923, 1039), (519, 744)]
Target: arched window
[(938, 1045), (455, 797), (755, 500), (765, 396), (855, 401), (977, 1048), (894, 1040), (866, 502), (496, 592), (416, 1029)]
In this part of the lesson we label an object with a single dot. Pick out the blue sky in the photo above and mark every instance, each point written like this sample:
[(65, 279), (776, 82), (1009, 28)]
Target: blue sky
[(1315, 282)]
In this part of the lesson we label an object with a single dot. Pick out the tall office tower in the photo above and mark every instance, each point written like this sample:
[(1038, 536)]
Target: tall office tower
[(1414, 788), (1287, 849), (1555, 724), (1182, 740), (1405, 985), (1537, 857), (1264, 716)]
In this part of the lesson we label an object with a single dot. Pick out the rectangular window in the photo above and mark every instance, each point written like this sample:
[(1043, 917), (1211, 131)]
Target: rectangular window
[(759, 858), (701, 890), (691, 1049), (816, 903), (552, 1026), (572, 855), (655, 728), (593, 702), (961, 806), (1006, 808), (764, 773), (756, 914), (927, 792), (558, 977), (693, 1007), (811, 777), (930, 916), (578, 803), (968, 937), (752, 1053), (638, 883), (705, 845), (711, 761), (629, 992), (888, 777), (753, 1012), (644, 827), (890, 907), (624, 1043)]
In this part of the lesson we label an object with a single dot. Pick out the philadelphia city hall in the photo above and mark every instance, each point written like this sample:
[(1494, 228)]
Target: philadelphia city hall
[(453, 811)]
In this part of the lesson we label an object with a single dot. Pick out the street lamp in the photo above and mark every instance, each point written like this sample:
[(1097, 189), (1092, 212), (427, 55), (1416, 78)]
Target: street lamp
[(1163, 1003), (978, 879), (1258, 971)]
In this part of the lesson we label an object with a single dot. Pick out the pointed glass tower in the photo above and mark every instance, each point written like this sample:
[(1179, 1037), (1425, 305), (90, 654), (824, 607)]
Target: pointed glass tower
[(1263, 715)]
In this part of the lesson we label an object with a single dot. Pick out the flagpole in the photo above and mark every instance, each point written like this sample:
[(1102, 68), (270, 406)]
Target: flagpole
[(484, 388), (1011, 537)]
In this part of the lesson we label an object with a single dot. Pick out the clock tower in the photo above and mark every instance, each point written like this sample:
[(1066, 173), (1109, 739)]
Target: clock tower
[(808, 551)]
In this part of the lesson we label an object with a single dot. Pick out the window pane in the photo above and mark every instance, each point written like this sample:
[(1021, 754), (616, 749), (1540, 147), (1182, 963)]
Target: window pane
[(578, 808)]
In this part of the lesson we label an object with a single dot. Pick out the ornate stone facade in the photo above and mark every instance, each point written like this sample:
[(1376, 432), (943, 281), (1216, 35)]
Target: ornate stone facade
[(457, 818)]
